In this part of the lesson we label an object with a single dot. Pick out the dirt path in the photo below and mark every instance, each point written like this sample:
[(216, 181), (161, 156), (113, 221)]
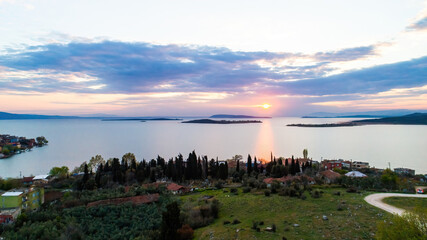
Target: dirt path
[(376, 200)]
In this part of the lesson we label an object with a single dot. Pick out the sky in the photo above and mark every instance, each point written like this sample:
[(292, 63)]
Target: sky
[(197, 58)]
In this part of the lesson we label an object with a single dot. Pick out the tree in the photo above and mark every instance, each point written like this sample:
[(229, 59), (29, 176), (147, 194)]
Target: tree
[(94, 162), (249, 167), (255, 165), (41, 140), (59, 171), (305, 153), (170, 222), (86, 174)]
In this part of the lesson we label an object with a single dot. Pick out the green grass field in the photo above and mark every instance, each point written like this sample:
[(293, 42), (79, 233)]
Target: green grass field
[(357, 220), (408, 204)]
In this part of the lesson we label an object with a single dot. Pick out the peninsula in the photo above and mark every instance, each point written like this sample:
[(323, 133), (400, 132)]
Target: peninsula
[(210, 121), (411, 119)]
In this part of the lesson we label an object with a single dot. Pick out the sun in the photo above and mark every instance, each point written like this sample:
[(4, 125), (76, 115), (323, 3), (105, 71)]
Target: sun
[(266, 106)]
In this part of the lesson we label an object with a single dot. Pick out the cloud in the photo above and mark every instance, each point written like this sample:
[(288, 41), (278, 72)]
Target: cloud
[(370, 80), (421, 24), (110, 67)]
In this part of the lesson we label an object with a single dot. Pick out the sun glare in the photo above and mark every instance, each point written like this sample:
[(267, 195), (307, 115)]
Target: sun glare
[(266, 106)]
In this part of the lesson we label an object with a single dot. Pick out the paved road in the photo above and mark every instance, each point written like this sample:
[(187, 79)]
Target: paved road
[(376, 200)]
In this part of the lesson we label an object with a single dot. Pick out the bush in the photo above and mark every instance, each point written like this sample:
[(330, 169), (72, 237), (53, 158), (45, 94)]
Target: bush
[(273, 228), (352, 190), (246, 189), (316, 194), (254, 225), (219, 184), (303, 197), (236, 221), (234, 191), (340, 207), (185, 232), (408, 226), (267, 193), (226, 222)]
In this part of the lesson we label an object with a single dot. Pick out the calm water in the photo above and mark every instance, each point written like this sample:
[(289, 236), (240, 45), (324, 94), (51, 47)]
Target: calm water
[(73, 141)]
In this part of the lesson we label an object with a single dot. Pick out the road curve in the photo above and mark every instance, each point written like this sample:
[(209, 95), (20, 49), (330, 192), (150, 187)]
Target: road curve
[(376, 200)]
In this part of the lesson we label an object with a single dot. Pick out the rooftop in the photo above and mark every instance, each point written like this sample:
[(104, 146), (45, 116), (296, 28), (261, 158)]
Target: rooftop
[(12, 194)]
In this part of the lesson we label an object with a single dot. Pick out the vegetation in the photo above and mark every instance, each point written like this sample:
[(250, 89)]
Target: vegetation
[(358, 219), (411, 226)]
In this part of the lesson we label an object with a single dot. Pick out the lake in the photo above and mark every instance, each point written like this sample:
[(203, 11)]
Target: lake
[(73, 141)]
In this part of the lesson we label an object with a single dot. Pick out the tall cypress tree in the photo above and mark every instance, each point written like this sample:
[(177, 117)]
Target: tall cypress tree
[(249, 167), (255, 165), (238, 166)]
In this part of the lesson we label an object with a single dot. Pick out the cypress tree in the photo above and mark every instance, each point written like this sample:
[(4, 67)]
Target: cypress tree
[(170, 222), (238, 166), (255, 165), (249, 167)]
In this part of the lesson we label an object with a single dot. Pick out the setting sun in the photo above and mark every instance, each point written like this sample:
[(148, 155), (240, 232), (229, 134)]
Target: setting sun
[(266, 106)]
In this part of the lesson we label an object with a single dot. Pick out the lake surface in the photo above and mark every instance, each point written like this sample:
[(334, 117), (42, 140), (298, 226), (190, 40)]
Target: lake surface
[(73, 141)]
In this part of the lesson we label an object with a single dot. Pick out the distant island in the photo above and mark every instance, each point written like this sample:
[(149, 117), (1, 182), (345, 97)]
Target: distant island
[(368, 114), (411, 119), (210, 121), (234, 116), (142, 119)]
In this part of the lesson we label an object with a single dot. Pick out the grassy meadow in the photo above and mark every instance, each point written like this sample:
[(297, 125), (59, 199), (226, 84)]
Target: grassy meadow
[(349, 216)]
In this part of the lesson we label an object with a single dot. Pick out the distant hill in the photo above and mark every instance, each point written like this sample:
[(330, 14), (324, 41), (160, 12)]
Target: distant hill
[(12, 116), (411, 119), (234, 116), (368, 114)]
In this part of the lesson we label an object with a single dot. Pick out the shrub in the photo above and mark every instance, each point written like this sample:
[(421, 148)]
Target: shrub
[(316, 194), (226, 222), (219, 184), (254, 225), (261, 223), (273, 228), (246, 189), (408, 226), (351, 190), (303, 197), (337, 193), (233, 190), (267, 193), (340, 207), (185, 232), (236, 221)]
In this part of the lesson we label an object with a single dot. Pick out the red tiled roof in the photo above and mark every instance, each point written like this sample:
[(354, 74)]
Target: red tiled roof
[(27, 179), (174, 187), (330, 174)]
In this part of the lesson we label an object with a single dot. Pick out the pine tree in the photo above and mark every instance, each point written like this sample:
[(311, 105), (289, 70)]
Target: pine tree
[(86, 174)]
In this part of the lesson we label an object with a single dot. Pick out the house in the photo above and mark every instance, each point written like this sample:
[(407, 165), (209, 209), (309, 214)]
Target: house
[(9, 215), (41, 179), (30, 198), (176, 189), (359, 165), (27, 180), (355, 174), (330, 176), (404, 171), (332, 164)]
